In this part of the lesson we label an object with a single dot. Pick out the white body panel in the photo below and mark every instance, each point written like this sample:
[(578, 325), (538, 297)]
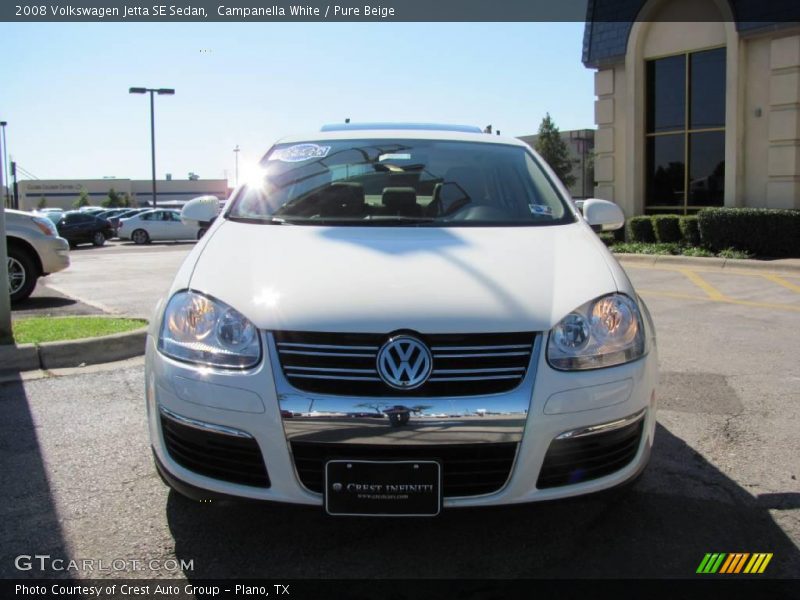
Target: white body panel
[(375, 279)]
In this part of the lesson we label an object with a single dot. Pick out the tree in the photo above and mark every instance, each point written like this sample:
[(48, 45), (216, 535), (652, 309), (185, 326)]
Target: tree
[(42, 203), (554, 151), (83, 199), (113, 200)]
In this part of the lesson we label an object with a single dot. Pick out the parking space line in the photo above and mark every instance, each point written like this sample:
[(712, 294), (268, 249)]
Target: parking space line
[(712, 292), (781, 281), (722, 299)]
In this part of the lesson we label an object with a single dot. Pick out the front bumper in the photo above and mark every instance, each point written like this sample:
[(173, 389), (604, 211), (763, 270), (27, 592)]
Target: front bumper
[(555, 403), (54, 253)]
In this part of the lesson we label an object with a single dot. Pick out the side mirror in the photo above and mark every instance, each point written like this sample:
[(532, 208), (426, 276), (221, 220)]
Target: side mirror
[(603, 215), (200, 211)]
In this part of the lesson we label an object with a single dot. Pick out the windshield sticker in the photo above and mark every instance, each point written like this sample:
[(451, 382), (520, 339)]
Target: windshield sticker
[(300, 152), (538, 209), (383, 157)]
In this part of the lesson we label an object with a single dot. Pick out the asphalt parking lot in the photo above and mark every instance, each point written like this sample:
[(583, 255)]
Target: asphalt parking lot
[(723, 477), (120, 277)]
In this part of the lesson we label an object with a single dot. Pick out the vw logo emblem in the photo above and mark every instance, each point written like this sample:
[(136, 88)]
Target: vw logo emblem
[(404, 362)]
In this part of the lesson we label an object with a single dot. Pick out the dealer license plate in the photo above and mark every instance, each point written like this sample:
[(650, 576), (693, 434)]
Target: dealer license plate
[(401, 488)]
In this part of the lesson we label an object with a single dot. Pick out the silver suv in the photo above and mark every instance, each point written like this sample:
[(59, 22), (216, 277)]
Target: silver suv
[(34, 250)]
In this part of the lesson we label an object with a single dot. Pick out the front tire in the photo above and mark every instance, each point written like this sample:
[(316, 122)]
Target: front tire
[(22, 274), (201, 232), (140, 236), (98, 239)]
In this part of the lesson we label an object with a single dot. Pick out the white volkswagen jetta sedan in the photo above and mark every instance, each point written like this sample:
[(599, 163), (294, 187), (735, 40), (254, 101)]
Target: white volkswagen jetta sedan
[(392, 320)]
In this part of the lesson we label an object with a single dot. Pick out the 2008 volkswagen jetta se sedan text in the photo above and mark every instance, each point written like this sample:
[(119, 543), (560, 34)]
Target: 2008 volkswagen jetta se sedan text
[(393, 320)]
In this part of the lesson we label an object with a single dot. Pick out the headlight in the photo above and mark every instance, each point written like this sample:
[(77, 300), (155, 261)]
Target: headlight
[(202, 330), (46, 226), (601, 333)]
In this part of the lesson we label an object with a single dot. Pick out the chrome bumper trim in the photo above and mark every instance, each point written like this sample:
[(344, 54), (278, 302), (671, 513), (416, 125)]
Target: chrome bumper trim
[(325, 346), (602, 428), (411, 420), (203, 426)]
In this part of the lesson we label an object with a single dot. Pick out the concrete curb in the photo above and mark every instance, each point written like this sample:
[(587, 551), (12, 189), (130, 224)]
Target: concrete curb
[(789, 266), (72, 353)]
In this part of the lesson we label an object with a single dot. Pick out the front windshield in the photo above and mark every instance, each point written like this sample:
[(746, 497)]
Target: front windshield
[(419, 182)]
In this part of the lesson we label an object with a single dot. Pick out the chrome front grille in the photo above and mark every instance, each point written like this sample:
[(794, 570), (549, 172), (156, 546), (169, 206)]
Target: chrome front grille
[(345, 363)]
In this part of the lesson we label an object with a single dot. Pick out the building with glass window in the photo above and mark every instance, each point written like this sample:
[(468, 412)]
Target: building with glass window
[(698, 103)]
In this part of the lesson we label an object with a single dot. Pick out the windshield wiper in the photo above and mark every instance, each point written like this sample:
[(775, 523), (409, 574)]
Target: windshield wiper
[(398, 220), (369, 221), (259, 220)]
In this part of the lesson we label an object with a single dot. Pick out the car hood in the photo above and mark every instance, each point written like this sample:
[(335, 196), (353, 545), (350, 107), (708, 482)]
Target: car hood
[(383, 279)]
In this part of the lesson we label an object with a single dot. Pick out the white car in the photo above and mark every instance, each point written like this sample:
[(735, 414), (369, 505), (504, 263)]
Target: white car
[(394, 320), (34, 249), (157, 225)]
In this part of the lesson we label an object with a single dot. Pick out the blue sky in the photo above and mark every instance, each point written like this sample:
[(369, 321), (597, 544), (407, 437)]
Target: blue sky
[(69, 113)]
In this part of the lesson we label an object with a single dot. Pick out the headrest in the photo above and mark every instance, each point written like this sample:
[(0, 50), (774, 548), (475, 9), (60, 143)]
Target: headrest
[(342, 198), (347, 191), (399, 198)]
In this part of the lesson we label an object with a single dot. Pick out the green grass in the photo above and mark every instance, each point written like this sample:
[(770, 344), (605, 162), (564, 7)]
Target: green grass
[(674, 249), (55, 329), (696, 251), (642, 248)]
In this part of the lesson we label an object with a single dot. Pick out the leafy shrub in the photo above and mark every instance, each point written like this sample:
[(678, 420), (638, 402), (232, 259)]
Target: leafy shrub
[(696, 251), (82, 200), (640, 229), (607, 238), (731, 253), (690, 232), (642, 248), (760, 231), (667, 229)]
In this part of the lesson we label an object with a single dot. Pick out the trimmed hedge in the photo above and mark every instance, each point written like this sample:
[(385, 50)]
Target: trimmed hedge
[(667, 229), (690, 230), (640, 229), (607, 238), (764, 232)]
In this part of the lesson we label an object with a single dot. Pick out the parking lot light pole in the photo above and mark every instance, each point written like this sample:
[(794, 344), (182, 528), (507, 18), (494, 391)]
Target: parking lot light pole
[(5, 166), (152, 92), (5, 291), (236, 156)]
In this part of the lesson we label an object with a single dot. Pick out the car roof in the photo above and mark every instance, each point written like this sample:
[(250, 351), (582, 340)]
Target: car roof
[(400, 126), (399, 131)]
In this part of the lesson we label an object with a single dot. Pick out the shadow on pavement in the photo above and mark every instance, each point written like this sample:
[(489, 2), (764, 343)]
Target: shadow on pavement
[(43, 303), (156, 243), (30, 522), (682, 508), (46, 302)]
